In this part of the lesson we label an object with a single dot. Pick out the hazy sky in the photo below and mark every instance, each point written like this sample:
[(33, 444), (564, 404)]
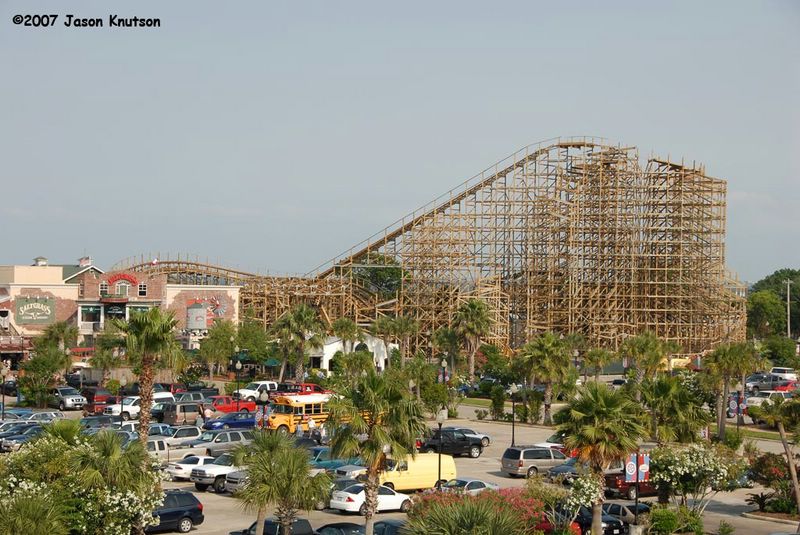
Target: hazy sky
[(275, 135)]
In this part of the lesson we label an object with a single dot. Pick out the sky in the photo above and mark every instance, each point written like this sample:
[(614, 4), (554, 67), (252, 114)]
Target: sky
[(274, 136)]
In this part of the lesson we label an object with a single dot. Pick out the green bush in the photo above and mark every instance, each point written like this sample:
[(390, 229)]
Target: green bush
[(690, 521), (230, 388), (481, 414), (725, 528), (521, 412), (663, 521), (733, 439), (113, 386), (498, 396)]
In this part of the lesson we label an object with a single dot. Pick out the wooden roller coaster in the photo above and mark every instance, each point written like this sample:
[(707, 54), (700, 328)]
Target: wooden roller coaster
[(569, 235)]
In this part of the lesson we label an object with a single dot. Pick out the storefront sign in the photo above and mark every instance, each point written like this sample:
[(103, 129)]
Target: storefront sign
[(34, 311), (122, 277)]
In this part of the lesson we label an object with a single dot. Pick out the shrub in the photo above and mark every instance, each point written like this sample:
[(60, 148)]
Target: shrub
[(725, 528), (498, 395), (759, 500), (465, 516), (663, 521), (113, 386), (770, 467), (230, 388), (521, 412), (481, 414), (690, 521), (733, 439)]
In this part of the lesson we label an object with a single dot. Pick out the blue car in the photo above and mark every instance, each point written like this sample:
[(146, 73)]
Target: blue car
[(232, 420), (321, 459)]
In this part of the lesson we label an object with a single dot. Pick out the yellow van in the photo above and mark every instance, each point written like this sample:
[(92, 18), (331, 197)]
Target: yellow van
[(286, 413), (417, 473)]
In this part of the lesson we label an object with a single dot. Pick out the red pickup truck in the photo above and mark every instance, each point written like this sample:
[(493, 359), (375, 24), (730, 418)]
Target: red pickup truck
[(228, 404), (618, 487)]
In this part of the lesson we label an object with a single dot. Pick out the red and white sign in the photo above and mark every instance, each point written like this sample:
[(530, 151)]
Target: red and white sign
[(122, 277)]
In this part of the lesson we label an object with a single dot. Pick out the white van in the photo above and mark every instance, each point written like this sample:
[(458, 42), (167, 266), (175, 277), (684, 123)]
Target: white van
[(787, 374)]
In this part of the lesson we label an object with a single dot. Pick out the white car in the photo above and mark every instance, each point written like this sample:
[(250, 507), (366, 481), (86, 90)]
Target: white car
[(130, 405), (213, 474), (467, 485), (484, 438), (787, 374), (352, 500), (43, 417), (252, 391), (183, 469), (553, 441), (182, 433)]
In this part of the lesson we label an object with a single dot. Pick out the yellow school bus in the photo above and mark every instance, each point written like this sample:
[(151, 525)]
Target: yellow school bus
[(289, 412)]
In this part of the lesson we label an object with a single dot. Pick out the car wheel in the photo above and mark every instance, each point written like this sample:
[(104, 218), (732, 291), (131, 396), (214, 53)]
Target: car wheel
[(184, 525), (532, 471), (363, 509), (61, 406), (283, 430), (755, 390), (245, 410), (485, 442), (202, 487), (632, 492), (475, 452), (125, 416), (319, 506), (389, 485), (226, 426), (405, 506), (251, 398), (219, 485)]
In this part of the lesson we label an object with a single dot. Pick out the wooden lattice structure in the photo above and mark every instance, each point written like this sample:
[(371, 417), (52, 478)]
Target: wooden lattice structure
[(570, 235)]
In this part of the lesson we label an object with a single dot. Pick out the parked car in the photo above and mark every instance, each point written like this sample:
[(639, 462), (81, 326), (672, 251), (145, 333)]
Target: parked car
[(43, 417), (13, 442), (232, 420), (611, 525), (183, 469), (182, 433), (130, 406), (768, 382), (213, 474), (174, 388), (228, 404), (189, 396), (384, 527), (321, 459), (453, 442), (158, 448), (66, 398), (567, 472), (253, 390), (414, 473), (132, 389), (788, 374), (351, 499), (96, 421), (234, 481), (15, 428), (484, 438), (617, 487), (530, 460), (300, 526), (467, 485), (625, 512), (181, 412), (181, 510), (618, 383), (217, 442), (337, 484)]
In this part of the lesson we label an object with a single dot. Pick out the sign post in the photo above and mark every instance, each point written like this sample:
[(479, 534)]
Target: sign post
[(637, 469)]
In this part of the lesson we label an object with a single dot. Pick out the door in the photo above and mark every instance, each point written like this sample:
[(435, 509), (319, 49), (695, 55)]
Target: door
[(386, 499), (461, 443), (169, 512)]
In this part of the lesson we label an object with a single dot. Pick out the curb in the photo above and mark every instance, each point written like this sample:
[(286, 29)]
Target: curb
[(767, 519)]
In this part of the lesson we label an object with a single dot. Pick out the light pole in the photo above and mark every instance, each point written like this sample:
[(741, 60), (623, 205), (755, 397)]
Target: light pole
[(441, 416), (122, 384), (444, 370), (238, 367), (3, 373), (789, 283), (263, 400), (513, 390)]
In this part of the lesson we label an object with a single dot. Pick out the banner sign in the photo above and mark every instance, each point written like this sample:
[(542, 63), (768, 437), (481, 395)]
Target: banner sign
[(642, 461), (36, 311)]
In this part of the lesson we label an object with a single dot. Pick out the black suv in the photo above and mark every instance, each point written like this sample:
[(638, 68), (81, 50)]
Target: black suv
[(453, 443), (181, 511), (300, 526)]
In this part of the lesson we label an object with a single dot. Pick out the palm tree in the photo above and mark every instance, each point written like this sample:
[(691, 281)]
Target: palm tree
[(68, 431), (472, 322), (376, 416), (383, 328), (724, 364), (465, 516), (547, 359), (348, 332), (675, 413), (352, 365), (37, 514), (62, 334), (597, 359), (405, 328), (447, 341), (149, 337), (104, 360), (647, 353), (285, 343), (278, 473), (778, 412), (217, 347), (602, 425), (108, 464), (303, 327)]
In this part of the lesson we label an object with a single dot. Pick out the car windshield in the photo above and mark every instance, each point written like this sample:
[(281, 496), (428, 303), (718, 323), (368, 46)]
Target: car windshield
[(128, 401), (572, 461), (511, 453), (251, 386), (69, 392), (556, 438), (456, 484), (207, 437), (224, 460), (354, 489)]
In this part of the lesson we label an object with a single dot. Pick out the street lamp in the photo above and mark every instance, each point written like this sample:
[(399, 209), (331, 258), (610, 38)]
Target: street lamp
[(441, 416), (238, 367), (513, 390), (263, 401), (122, 384), (444, 370), (3, 373)]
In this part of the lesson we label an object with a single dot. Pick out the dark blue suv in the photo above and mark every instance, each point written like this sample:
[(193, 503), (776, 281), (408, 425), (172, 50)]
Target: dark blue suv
[(181, 511)]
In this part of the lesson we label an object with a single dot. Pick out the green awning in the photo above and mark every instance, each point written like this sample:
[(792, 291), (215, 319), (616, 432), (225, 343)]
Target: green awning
[(272, 363)]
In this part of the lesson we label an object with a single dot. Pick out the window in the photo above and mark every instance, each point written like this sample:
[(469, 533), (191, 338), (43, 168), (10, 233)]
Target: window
[(558, 455), (385, 491), (186, 500), (537, 454), (103, 288), (189, 460), (221, 439), (122, 288), (142, 289), (90, 314), (170, 501)]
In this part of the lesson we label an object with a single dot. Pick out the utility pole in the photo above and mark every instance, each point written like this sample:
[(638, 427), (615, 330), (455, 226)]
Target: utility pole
[(789, 283)]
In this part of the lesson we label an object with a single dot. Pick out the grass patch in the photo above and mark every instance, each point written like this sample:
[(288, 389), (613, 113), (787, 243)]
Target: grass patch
[(477, 402)]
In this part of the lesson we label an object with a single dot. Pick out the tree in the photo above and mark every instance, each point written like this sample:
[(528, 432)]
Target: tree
[(252, 337), (781, 351), (447, 341), (727, 364), (103, 360), (766, 314), (375, 417), (348, 332), (110, 464), (676, 414), (278, 473), (597, 359), (648, 354), (36, 514), (379, 274), (383, 328), (405, 328), (472, 322), (62, 334), (547, 359), (779, 412), (602, 425), (350, 366), (776, 283), (285, 342), (218, 346), (40, 371), (149, 337), (303, 327)]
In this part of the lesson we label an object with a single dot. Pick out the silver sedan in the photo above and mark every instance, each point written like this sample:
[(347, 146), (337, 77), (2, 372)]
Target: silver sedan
[(466, 485)]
